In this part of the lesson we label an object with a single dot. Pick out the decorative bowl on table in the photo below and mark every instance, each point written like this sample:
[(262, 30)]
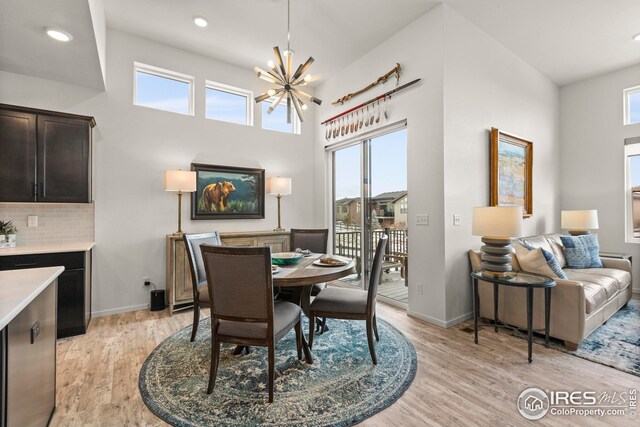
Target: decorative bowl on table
[(286, 258)]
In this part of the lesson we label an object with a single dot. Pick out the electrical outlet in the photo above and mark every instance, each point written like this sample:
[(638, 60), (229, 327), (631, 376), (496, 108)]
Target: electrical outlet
[(422, 219), (420, 290), (456, 220), (32, 221), (146, 281)]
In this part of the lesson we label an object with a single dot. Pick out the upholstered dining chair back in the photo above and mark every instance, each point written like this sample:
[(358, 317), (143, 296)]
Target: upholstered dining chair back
[(192, 244), (376, 267), (314, 240), (240, 283)]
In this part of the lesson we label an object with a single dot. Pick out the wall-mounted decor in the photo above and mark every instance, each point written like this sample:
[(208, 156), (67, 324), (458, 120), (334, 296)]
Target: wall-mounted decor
[(381, 80), (367, 114), (511, 171), (226, 192)]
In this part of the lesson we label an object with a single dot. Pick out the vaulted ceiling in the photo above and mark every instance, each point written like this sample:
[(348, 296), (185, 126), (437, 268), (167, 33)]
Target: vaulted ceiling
[(566, 40)]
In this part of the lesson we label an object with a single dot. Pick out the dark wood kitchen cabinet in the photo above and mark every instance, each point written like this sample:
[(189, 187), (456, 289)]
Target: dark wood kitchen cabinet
[(74, 286), (46, 156)]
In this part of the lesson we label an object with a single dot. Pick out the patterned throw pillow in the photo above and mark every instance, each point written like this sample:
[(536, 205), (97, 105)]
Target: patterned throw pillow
[(539, 261), (582, 251)]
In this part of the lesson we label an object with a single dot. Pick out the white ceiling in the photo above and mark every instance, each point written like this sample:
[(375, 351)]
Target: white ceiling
[(566, 40), (243, 32), (25, 49)]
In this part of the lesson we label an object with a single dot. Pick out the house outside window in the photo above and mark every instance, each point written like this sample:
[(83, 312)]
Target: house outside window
[(632, 189)]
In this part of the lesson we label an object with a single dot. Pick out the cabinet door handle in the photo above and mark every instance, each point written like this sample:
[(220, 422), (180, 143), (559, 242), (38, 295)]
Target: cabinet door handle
[(42, 189), (27, 264)]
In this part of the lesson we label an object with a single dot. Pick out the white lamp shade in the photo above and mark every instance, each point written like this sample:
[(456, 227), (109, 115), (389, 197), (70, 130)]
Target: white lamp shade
[(579, 220), (497, 221), (278, 185), (179, 180)]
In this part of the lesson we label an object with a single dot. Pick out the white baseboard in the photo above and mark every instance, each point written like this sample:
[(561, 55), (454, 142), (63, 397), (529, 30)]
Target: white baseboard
[(459, 319), (442, 323), (427, 319), (118, 310)]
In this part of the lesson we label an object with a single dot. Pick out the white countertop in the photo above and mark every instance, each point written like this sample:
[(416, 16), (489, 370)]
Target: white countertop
[(19, 287), (48, 249)]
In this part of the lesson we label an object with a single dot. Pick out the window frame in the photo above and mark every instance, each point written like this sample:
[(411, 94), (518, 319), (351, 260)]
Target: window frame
[(297, 126), (627, 104), (167, 74), (630, 150), (221, 87)]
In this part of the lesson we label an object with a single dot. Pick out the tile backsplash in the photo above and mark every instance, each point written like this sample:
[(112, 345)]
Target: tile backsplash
[(57, 222)]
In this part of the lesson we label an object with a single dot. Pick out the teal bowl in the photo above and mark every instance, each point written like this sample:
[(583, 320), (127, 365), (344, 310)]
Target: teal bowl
[(286, 258)]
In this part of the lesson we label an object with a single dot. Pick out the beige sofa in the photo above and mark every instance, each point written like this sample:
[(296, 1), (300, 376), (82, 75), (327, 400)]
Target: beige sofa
[(578, 305)]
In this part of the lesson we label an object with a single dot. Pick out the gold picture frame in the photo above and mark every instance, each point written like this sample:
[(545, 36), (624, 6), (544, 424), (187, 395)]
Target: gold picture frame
[(511, 171)]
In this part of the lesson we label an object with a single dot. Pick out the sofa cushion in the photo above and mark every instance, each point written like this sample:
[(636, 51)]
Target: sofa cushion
[(594, 295), (556, 247), (623, 278), (536, 242), (609, 284), (582, 251), (538, 260)]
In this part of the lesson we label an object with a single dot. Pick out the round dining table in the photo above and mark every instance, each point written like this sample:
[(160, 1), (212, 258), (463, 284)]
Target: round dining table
[(300, 278)]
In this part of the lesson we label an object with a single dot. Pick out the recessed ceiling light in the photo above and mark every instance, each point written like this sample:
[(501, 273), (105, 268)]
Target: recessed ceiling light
[(200, 21), (637, 37), (58, 34)]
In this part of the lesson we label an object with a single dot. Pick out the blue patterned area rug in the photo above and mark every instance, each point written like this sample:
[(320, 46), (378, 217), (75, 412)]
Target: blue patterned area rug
[(341, 388), (615, 344)]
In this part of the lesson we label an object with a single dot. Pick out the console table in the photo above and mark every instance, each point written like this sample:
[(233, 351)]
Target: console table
[(178, 280), (519, 279)]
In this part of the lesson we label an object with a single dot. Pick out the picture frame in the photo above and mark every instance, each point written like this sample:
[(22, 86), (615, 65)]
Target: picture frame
[(511, 171), (227, 192)]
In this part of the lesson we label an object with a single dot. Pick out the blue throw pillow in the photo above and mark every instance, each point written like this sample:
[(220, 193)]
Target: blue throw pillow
[(582, 251), (552, 262)]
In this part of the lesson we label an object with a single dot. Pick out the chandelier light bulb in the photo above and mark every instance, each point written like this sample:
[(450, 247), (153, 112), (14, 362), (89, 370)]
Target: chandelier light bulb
[(271, 92), (307, 78), (304, 106), (271, 64)]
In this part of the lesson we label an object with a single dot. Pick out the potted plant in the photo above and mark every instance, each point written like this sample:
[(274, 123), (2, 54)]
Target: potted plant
[(7, 234)]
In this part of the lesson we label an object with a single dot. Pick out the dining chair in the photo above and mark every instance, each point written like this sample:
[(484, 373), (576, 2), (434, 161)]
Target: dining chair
[(352, 304), (243, 311), (201, 299), (314, 240)]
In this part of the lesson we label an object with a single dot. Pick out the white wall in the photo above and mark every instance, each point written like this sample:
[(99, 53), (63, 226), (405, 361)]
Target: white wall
[(592, 152), (418, 48), (470, 84), (134, 145), (486, 85)]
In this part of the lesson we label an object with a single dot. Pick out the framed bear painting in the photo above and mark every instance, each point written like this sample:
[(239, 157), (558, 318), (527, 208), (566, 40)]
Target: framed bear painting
[(226, 192)]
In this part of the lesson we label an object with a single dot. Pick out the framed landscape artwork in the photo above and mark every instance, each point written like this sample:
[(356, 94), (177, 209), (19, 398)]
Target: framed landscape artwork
[(511, 171), (225, 192)]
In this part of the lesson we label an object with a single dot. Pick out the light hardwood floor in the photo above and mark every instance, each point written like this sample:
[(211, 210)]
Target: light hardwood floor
[(457, 383)]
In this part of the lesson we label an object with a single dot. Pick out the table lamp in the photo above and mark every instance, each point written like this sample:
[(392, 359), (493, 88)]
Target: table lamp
[(278, 186), (182, 182), (579, 222), (497, 225)]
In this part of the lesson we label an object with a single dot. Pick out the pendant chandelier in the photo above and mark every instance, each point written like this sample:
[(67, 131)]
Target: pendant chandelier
[(287, 83)]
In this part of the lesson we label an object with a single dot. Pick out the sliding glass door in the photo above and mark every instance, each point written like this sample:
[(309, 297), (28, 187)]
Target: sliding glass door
[(370, 199)]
